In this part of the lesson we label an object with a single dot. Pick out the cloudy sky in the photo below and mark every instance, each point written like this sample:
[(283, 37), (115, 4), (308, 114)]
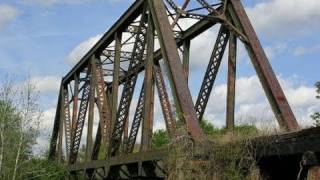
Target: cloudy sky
[(45, 38)]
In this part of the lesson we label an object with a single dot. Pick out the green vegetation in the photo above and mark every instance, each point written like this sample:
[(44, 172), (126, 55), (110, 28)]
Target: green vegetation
[(230, 156), (316, 115), (20, 115), (19, 128), (40, 168), (160, 138)]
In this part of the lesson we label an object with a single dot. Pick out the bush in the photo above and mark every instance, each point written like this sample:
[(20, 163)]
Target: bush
[(160, 138), (208, 128), (38, 169)]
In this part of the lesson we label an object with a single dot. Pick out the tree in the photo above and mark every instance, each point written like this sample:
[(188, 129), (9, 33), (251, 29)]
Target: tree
[(19, 128), (316, 115), (28, 121), (19, 125), (208, 127), (160, 138), (8, 128)]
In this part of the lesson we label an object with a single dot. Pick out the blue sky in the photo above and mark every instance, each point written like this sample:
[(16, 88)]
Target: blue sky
[(46, 37)]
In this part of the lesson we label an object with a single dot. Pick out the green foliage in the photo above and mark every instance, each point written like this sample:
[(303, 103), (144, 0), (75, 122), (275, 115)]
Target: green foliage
[(160, 138), (240, 130), (19, 129), (9, 127), (40, 169), (208, 128), (231, 161), (316, 115), (230, 157), (246, 130)]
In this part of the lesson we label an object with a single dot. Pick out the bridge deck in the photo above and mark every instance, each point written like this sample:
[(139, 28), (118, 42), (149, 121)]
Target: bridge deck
[(121, 160), (289, 144), (282, 145)]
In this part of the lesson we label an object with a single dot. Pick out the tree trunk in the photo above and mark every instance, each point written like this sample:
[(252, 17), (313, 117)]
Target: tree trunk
[(1, 149), (17, 157)]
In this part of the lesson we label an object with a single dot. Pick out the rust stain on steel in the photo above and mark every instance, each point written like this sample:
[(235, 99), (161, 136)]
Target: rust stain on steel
[(164, 102), (211, 72), (231, 81), (170, 54), (230, 14), (280, 106), (147, 125)]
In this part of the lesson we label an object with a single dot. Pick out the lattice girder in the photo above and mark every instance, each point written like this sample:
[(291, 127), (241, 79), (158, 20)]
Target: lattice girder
[(128, 64)]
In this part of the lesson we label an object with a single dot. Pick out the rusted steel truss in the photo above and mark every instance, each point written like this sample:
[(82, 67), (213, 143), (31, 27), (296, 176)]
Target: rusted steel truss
[(125, 57)]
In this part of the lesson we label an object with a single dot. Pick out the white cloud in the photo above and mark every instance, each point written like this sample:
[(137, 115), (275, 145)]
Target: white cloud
[(7, 14), (251, 107), (42, 2), (45, 128), (46, 83), (201, 48), (299, 51), (276, 49), (251, 101), (52, 2), (285, 17), (80, 50), (48, 120)]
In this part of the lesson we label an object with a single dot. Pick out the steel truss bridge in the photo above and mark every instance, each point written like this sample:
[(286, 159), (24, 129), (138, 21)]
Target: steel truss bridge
[(146, 54)]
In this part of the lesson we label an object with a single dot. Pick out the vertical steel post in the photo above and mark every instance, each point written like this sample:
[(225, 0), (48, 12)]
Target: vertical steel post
[(231, 81), (186, 57), (67, 120), (211, 72), (137, 119), (148, 82), (79, 123), (61, 125), (115, 81), (102, 103), (176, 74), (74, 115), (75, 105), (271, 86), (125, 134), (164, 101), (89, 146), (130, 82), (97, 144), (55, 132)]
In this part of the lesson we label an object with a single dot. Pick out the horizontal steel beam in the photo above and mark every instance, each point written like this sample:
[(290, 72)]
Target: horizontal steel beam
[(288, 144), (275, 145), (121, 160), (130, 15), (189, 34)]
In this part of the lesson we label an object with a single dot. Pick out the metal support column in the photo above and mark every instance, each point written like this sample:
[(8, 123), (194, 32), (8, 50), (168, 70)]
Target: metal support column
[(271, 86), (186, 57), (102, 103), (89, 146), (170, 54), (60, 127), (75, 103), (147, 124), (231, 81), (115, 81)]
